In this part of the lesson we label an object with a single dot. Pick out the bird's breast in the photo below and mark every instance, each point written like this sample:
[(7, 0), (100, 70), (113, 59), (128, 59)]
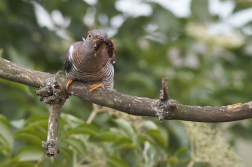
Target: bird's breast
[(88, 76), (87, 67)]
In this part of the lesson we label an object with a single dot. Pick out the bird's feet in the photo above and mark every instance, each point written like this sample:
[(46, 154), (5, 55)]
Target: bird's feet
[(95, 86), (69, 83)]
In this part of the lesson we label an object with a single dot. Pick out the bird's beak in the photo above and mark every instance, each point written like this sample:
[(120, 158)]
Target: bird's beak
[(101, 39), (96, 39)]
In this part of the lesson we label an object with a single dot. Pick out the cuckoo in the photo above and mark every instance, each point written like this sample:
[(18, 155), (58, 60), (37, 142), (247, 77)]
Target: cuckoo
[(91, 60)]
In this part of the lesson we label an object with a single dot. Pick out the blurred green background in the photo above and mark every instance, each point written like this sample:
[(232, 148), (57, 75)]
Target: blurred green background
[(203, 47)]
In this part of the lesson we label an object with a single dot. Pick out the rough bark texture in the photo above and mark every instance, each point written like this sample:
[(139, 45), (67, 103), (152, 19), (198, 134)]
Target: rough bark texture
[(53, 93), (51, 145), (174, 110), (134, 105), (16, 73)]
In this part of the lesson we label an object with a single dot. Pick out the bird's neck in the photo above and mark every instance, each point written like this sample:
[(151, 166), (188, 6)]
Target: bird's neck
[(96, 62)]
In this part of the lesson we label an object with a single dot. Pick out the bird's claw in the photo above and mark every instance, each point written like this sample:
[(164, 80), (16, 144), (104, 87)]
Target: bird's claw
[(96, 86), (69, 83)]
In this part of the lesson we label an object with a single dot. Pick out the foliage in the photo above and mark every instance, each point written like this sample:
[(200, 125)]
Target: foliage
[(82, 143), (205, 146), (203, 68)]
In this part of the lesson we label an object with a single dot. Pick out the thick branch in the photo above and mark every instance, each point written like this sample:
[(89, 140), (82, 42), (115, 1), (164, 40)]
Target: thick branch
[(16, 73), (148, 107), (131, 104)]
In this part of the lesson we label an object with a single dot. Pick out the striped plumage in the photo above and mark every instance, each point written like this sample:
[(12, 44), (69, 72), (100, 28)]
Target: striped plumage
[(91, 60)]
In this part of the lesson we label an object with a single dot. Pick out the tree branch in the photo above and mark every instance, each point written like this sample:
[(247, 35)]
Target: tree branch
[(51, 145), (16, 73), (54, 94), (170, 109)]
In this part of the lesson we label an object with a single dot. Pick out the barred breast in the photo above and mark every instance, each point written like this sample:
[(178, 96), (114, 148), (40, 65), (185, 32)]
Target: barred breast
[(81, 64)]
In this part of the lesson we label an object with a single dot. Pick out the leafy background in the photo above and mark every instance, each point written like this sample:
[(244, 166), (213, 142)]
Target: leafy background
[(204, 67)]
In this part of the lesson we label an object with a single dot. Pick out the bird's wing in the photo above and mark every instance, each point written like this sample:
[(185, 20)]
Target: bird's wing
[(68, 59)]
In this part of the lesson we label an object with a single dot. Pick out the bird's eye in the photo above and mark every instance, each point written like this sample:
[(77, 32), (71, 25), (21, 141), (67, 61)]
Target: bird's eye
[(89, 36)]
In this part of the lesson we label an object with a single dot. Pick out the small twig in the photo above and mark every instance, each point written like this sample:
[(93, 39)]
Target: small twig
[(190, 164), (40, 161), (165, 104), (93, 114), (96, 109), (91, 117), (51, 145), (54, 94), (75, 162), (164, 91)]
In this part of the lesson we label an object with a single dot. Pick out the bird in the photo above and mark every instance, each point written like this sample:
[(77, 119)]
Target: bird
[(91, 60)]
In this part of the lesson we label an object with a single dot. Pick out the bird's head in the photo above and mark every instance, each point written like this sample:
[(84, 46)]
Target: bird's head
[(96, 38), (96, 35)]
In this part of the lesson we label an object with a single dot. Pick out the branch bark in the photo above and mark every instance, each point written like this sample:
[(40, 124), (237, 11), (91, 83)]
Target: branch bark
[(51, 145), (53, 93), (141, 106)]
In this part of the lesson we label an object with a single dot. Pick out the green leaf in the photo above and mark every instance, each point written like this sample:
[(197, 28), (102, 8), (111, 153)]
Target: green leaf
[(143, 138), (126, 126), (149, 125), (173, 160), (4, 149), (124, 143), (36, 118), (71, 120), (181, 151), (178, 157), (113, 161), (65, 153), (9, 162), (84, 128), (158, 137), (37, 121), (25, 163), (6, 138), (30, 153), (4, 120), (107, 136), (18, 123), (76, 144), (31, 136), (157, 133)]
